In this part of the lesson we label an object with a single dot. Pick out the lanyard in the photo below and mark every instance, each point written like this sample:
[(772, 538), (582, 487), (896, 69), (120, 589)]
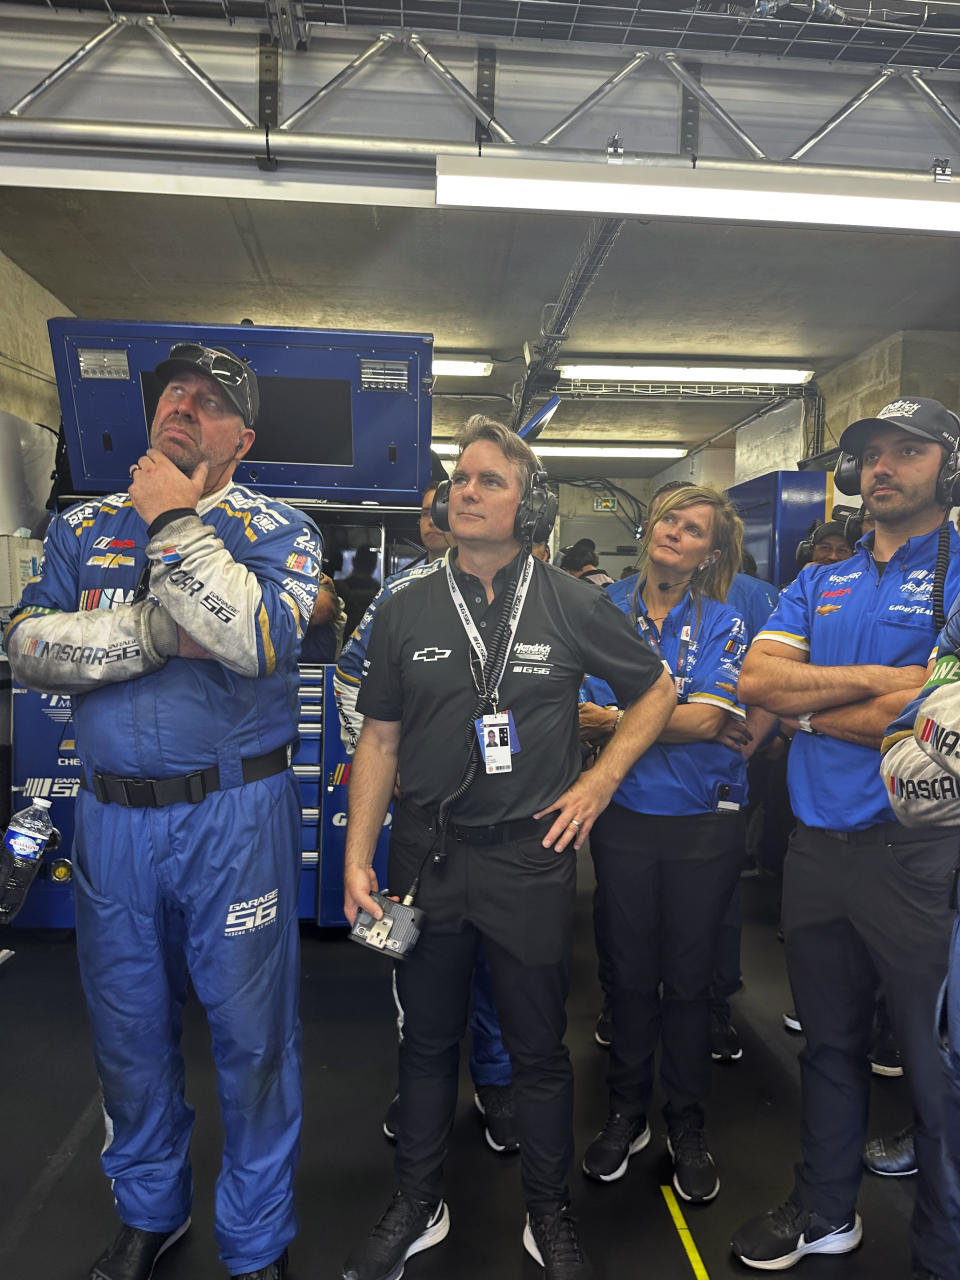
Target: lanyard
[(478, 648), (644, 626)]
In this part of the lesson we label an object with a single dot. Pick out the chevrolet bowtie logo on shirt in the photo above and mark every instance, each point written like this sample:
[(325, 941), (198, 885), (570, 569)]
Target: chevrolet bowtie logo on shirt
[(431, 655)]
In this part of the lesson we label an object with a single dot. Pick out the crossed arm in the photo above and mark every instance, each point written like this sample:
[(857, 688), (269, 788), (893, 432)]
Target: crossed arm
[(853, 703)]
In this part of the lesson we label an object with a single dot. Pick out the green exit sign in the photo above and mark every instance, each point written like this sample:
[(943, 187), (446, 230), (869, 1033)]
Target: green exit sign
[(604, 504)]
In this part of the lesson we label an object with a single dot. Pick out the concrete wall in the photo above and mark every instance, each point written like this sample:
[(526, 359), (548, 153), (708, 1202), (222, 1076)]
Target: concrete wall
[(908, 363), (710, 466), (773, 443), (25, 308), (577, 519)]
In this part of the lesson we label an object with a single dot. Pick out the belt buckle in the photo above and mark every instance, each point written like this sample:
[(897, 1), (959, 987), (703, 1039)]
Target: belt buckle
[(138, 793), (98, 789)]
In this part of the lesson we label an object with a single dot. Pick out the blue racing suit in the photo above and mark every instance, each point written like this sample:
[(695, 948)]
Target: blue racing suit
[(206, 888), (489, 1060)]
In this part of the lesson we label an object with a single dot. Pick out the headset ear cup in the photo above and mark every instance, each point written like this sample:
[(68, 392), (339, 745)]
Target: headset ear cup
[(536, 513), (804, 553), (846, 475), (440, 512), (948, 481)]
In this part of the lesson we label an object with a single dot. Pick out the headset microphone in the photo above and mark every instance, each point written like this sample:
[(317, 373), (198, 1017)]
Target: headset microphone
[(672, 586)]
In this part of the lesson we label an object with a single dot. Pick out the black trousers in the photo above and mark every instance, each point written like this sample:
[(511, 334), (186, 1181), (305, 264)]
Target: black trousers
[(664, 884), (856, 915), (519, 898)]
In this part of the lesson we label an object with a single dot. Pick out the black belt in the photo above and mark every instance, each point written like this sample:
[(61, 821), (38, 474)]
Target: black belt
[(191, 788), (886, 833), (493, 833)]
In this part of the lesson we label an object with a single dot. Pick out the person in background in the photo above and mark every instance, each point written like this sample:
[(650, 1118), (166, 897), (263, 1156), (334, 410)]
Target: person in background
[(358, 589), (669, 847), (580, 561), (830, 544), (489, 1061)]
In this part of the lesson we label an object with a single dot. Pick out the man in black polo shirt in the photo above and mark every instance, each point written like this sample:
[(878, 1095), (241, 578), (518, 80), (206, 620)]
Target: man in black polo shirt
[(508, 869)]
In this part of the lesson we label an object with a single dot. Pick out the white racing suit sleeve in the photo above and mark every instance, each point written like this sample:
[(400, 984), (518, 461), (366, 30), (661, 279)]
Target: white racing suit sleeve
[(243, 614), (351, 721), (56, 652), (921, 792)]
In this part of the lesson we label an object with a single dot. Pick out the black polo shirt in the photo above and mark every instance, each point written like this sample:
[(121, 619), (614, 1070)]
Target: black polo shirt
[(417, 671)]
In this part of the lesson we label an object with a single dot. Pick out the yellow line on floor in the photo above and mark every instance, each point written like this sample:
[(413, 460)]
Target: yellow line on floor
[(683, 1231)]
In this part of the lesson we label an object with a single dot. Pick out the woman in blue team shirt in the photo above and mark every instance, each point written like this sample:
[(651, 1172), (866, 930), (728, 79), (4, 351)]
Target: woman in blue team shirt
[(668, 849)]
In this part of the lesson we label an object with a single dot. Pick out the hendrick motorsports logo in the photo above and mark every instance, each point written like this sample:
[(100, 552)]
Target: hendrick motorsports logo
[(538, 652), (431, 655)]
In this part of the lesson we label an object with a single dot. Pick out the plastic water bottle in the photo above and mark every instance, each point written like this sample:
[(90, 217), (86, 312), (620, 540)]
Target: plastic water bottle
[(21, 854)]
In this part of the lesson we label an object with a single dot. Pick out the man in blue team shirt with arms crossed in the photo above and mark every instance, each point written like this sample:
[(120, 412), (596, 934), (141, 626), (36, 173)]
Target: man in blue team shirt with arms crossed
[(864, 899)]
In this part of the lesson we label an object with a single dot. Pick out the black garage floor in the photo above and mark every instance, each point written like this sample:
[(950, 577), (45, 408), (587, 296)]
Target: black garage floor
[(57, 1210)]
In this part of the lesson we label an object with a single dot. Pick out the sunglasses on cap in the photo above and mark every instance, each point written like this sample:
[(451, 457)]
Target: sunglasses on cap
[(221, 365)]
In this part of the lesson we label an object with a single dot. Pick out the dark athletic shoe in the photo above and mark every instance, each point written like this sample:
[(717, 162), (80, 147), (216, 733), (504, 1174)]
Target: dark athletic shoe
[(495, 1104), (551, 1240), (778, 1240), (409, 1226), (608, 1155), (892, 1157), (694, 1173), (275, 1271), (724, 1041), (134, 1254)]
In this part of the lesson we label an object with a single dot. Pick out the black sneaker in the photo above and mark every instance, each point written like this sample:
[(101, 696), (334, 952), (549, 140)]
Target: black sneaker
[(609, 1153), (134, 1254), (892, 1157), (791, 1022), (391, 1119), (409, 1226), (724, 1041), (275, 1271), (603, 1028), (885, 1057), (779, 1239), (495, 1104), (551, 1240), (694, 1173)]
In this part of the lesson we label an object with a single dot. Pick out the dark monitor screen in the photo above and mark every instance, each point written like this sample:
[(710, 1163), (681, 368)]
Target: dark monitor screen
[(305, 420)]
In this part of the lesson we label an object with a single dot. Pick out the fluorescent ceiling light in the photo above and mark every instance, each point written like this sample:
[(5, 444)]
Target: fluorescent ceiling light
[(463, 366), (683, 373), (447, 449), (674, 189)]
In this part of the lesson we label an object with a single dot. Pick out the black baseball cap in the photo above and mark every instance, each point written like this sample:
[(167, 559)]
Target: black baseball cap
[(915, 414), (237, 379), (830, 529)]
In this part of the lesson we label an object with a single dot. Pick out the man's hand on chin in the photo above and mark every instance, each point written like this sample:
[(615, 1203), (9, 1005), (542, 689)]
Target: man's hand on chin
[(158, 485)]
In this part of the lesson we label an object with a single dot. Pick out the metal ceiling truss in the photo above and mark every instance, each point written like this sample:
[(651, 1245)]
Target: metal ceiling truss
[(287, 19), (908, 31)]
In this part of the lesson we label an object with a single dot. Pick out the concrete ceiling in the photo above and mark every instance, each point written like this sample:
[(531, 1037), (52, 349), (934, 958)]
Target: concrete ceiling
[(478, 282)]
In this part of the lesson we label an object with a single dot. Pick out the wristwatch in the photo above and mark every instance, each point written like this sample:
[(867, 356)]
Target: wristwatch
[(804, 722)]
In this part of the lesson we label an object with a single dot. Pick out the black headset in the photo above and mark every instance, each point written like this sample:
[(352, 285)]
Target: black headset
[(846, 475), (804, 552), (535, 514)]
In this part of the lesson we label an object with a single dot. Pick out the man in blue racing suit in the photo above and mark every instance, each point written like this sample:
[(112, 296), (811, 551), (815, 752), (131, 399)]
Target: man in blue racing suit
[(173, 613)]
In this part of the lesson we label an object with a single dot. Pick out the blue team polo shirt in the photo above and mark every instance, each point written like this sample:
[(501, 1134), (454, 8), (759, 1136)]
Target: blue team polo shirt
[(682, 777), (840, 615)]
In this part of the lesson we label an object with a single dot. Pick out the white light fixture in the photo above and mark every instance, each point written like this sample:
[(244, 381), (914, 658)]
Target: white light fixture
[(463, 366), (684, 373), (447, 449), (713, 191)]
